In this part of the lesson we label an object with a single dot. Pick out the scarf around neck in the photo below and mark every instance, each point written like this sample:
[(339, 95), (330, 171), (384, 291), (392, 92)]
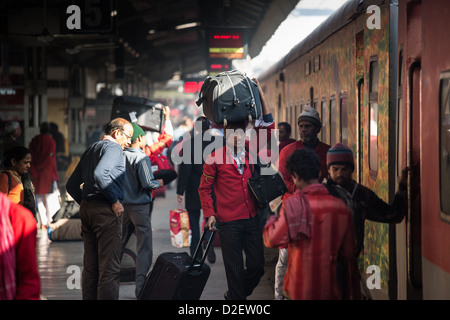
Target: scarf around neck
[(298, 213)]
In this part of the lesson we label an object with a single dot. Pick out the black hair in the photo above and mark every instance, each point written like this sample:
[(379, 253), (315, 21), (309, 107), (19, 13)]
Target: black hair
[(206, 124), (44, 128), (287, 126), (16, 153), (305, 163)]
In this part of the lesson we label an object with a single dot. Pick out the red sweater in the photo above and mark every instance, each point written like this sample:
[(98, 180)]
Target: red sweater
[(321, 150), (28, 283)]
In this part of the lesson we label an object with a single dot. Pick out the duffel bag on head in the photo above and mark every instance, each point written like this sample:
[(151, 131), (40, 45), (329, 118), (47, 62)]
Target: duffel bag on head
[(230, 97)]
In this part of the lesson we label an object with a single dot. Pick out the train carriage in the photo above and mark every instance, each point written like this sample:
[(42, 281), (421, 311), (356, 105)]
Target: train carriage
[(354, 70)]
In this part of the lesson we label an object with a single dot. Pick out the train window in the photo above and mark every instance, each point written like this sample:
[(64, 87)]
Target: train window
[(344, 118), (444, 145), (373, 116), (324, 117), (334, 121)]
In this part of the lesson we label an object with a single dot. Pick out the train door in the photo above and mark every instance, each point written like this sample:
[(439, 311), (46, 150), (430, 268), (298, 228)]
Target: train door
[(414, 245), (414, 90)]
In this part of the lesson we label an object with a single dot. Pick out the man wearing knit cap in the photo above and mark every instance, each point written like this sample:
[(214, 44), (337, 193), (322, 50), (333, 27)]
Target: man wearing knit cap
[(362, 201), (138, 203), (309, 126)]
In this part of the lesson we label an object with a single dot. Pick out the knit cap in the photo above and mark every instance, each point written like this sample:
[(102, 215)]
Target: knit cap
[(137, 131), (340, 154), (311, 115)]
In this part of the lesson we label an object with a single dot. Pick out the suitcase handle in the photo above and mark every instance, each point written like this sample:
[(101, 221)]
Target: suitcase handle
[(206, 249)]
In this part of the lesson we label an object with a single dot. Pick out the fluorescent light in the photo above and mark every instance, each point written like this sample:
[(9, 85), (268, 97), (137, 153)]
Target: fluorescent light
[(187, 25)]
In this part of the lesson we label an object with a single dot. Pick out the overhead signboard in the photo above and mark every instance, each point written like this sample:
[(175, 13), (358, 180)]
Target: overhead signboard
[(226, 44)]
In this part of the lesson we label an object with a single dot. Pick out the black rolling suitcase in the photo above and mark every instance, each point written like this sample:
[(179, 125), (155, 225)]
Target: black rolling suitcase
[(146, 113), (177, 276), (230, 97)]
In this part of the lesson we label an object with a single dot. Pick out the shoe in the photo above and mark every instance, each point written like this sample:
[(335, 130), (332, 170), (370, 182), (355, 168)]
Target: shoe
[(211, 256), (226, 295)]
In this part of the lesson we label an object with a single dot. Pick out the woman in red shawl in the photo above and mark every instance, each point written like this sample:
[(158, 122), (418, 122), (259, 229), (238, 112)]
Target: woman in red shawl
[(19, 276), (43, 167), (318, 230)]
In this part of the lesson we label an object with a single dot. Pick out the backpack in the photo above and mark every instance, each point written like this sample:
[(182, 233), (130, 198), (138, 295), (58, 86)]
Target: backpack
[(230, 97)]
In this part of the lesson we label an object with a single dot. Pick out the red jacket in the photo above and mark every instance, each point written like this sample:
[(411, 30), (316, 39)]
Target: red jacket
[(312, 262), (234, 199), (321, 151)]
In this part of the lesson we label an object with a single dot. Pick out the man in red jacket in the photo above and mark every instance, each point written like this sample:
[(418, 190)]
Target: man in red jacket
[(227, 169)]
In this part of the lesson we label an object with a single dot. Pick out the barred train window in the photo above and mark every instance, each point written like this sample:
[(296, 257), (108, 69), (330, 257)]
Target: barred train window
[(344, 118), (334, 117), (373, 116), (324, 116), (444, 145)]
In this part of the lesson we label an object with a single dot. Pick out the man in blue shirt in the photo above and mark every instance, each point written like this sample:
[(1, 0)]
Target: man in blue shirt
[(97, 184), (138, 203)]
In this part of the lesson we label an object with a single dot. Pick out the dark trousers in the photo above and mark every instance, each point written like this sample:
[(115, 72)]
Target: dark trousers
[(102, 233), (196, 232), (137, 218), (236, 237)]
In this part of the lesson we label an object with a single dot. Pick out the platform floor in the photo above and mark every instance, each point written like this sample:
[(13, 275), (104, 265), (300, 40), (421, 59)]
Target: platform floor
[(59, 262)]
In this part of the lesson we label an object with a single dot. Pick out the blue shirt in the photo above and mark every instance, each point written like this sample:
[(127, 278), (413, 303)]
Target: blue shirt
[(101, 170)]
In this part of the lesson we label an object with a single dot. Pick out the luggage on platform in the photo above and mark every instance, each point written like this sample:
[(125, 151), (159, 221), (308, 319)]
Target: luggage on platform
[(66, 223), (65, 229), (146, 113), (177, 276), (230, 97)]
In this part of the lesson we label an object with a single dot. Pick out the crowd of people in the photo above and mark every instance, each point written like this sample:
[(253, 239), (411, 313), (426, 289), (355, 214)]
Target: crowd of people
[(318, 227)]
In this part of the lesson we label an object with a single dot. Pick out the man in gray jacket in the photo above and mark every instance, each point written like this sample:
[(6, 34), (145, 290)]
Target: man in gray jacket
[(138, 203)]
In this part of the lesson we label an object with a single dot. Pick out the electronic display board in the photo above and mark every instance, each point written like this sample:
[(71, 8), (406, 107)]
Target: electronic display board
[(226, 44)]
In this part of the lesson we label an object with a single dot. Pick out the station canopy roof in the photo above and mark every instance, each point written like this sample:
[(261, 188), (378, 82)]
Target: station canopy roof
[(156, 38)]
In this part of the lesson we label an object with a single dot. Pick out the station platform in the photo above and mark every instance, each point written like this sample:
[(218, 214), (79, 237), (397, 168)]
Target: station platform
[(59, 261)]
